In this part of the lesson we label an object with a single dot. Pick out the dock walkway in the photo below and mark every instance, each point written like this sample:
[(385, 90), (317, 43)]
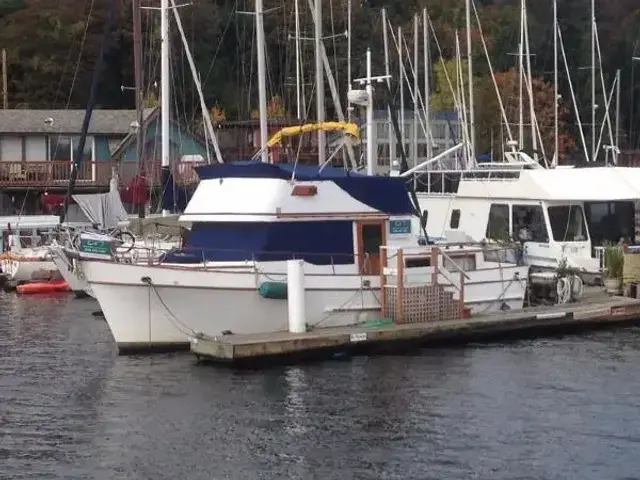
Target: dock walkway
[(596, 310)]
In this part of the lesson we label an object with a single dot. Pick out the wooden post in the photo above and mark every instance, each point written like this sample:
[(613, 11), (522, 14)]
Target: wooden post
[(383, 280), (461, 300), (434, 265), (5, 92), (399, 287)]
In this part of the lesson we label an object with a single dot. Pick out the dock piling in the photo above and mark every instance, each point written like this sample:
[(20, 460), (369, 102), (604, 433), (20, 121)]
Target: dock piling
[(296, 296)]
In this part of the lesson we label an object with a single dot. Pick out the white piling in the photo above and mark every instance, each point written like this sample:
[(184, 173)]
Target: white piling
[(296, 296)]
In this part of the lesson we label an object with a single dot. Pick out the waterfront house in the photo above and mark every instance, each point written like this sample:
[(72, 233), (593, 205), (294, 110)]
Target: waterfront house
[(38, 146)]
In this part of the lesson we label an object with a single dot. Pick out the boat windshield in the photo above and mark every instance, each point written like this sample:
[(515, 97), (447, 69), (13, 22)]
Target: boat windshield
[(568, 223)]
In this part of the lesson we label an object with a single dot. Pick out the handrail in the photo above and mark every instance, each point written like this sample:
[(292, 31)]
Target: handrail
[(458, 267), (400, 280)]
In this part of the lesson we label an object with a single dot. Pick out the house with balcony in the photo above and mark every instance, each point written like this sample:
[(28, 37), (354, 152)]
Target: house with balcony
[(37, 148)]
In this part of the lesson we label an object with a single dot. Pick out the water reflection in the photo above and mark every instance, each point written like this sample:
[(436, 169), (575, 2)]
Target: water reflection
[(295, 406), (547, 409)]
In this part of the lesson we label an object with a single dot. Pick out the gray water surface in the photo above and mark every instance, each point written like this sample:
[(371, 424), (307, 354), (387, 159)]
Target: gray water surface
[(566, 408)]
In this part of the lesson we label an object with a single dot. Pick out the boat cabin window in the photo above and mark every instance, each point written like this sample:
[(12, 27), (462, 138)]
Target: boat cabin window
[(500, 255), (465, 262), (567, 223), (34, 237), (416, 262), (455, 218), (438, 182), (608, 221), (372, 238), (529, 224), (26, 239), (498, 224)]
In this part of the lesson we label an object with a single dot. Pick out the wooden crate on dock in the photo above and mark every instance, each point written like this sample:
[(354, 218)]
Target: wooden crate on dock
[(421, 304), (631, 268)]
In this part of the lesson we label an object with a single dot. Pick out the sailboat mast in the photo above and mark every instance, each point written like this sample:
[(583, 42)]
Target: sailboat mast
[(427, 70), (472, 125), (387, 71), (298, 67), (616, 150), (319, 80), (371, 145), (416, 117), (520, 77), (137, 74), (402, 79), (78, 154), (593, 81), (165, 92), (532, 113), (555, 83), (262, 85), (348, 55)]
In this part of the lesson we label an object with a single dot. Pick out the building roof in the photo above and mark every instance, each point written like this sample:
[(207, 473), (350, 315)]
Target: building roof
[(151, 116), (107, 122)]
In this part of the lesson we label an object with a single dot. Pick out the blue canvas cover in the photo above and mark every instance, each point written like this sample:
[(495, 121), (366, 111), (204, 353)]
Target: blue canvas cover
[(386, 194)]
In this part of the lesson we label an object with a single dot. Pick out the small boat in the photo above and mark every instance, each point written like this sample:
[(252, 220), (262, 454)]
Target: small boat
[(43, 287)]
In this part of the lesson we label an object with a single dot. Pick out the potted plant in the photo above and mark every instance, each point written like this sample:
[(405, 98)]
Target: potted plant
[(613, 266)]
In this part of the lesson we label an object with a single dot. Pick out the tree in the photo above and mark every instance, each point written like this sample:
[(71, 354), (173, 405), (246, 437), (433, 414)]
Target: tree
[(7, 7), (217, 114), (275, 109), (45, 63), (445, 76), (490, 129)]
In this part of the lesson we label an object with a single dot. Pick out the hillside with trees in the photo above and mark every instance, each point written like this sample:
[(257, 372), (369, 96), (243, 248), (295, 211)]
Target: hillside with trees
[(52, 48)]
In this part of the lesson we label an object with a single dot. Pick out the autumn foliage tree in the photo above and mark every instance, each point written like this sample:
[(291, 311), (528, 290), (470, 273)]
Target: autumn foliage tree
[(275, 109), (491, 132)]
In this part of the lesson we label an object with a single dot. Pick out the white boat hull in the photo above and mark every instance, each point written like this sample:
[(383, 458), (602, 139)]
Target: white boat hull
[(25, 270), (68, 271), (159, 307)]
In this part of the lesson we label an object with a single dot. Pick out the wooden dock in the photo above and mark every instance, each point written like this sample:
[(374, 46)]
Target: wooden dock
[(595, 311)]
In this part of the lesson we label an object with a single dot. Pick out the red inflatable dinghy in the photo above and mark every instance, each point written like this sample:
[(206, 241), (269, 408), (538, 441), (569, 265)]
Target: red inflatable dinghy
[(43, 287)]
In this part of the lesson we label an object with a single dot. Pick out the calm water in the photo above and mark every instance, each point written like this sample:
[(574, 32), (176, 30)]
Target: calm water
[(551, 409)]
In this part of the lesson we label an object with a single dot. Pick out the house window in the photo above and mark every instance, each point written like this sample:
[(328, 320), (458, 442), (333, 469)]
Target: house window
[(529, 223), (62, 148), (455, 218), (87, 153), (498, 224)]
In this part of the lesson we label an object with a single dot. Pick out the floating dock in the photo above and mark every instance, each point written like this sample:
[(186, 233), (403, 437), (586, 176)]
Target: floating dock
[(596, 311)]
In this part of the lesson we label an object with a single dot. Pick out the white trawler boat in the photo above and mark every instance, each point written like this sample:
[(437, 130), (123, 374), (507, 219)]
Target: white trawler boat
[(246, 221), (568, 212)]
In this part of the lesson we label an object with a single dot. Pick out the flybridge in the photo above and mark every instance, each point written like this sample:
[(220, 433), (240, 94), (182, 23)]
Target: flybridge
[(594, 184), (448, 181)]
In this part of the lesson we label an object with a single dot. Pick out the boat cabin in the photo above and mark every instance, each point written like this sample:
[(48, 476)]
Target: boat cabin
[(556, 213), (274, 212), (27, 231)]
